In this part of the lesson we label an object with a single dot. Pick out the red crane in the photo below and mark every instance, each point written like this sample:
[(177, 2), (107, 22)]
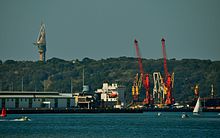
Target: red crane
[(168, 80), (145, 80)]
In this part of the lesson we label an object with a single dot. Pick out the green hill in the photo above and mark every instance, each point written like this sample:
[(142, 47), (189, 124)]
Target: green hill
[(57, 74)]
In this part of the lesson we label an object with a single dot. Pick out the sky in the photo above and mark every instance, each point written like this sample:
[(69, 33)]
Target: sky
[(101, 29)]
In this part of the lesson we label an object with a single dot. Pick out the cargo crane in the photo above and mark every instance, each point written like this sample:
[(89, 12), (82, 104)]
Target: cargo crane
[(145, 78), (158, 90), (196, 91), (135, 87), (168, 78)]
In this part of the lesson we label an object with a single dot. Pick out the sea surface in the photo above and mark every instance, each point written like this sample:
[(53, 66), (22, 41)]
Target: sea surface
[(112, 125)]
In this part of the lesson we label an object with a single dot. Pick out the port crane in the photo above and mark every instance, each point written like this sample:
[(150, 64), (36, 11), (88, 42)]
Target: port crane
[(144, 77), (136, 86), (169, 80), (158, 90), (196, 91)]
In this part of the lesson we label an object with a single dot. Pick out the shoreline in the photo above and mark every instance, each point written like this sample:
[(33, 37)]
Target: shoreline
[(45, 111), (71, 110)]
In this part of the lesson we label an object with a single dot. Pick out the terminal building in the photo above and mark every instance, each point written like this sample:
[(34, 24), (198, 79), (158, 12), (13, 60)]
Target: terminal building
[(109, 96), (35, 100), (83, 100)]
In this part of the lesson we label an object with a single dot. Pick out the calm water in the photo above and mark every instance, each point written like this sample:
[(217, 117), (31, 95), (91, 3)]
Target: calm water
[(113, 125)]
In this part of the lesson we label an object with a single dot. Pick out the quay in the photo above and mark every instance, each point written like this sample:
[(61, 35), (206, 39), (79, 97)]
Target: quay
[(71, 110)]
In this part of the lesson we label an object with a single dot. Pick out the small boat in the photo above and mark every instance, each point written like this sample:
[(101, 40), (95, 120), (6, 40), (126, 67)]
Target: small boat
[(159, 114), (197, 108), (23, 118), (3, 114), (184, 115)]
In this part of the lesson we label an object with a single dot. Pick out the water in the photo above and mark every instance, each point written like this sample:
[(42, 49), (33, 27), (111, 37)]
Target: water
[(107, 125)]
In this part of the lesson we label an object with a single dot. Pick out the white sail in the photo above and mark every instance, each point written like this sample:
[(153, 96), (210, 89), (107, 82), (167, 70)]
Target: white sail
[(197, 108)]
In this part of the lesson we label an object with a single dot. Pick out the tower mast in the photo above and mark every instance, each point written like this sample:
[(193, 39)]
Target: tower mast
[(168, 77), (41, 43), (144, 77)]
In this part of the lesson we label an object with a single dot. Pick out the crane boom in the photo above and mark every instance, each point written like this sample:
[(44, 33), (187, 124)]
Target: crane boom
[(139, 58), (145, 80), (164, 58), (168, 78)]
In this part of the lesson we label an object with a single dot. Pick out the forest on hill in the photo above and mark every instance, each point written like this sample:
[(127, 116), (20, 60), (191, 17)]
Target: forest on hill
[(57, 75)]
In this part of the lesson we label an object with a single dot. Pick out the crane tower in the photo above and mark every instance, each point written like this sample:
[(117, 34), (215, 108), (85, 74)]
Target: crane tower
[(168, 78), (145, 78), (41, 43)]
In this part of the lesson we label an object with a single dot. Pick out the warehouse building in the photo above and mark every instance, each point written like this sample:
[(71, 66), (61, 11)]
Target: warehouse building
[(34, 100)]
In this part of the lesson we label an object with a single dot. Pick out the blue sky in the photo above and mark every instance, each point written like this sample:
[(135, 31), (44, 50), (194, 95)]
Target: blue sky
[(101, 29)]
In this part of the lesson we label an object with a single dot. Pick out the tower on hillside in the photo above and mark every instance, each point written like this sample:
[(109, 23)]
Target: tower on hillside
[(41, 43)]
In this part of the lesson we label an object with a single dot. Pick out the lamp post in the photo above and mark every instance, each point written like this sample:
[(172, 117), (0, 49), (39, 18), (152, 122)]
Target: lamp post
[(22, 84)]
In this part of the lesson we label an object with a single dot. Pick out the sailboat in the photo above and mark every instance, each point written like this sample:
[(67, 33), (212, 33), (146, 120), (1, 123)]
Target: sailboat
[(197, 108), (3, 114), (23, 118)]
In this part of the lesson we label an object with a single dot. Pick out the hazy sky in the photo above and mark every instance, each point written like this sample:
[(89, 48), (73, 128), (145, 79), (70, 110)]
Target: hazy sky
[(106, 28)]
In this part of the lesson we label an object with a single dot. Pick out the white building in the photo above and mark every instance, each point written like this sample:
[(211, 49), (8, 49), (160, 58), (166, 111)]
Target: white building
[(30, 100)]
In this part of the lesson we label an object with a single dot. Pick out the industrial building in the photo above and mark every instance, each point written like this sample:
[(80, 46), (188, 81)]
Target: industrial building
[(83, 100), (109, 96), (35, 100)]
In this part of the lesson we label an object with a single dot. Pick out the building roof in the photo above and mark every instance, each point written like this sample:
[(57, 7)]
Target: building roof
[(32, 94)]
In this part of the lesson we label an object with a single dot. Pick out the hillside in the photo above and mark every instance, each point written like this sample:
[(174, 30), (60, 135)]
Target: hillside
[(57, 74)]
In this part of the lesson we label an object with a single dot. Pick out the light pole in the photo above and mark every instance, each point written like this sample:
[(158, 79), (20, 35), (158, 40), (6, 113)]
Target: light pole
[(71, 86), (44, 85), (22, 84)]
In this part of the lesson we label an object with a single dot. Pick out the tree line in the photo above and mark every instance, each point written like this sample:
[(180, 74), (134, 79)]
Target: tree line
[(66, 76)]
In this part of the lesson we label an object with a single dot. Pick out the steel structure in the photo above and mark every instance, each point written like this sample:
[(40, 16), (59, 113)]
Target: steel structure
[(41, 43), (136, 87), (168, 78), (145, 78), (158, 90), (196, 91)]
